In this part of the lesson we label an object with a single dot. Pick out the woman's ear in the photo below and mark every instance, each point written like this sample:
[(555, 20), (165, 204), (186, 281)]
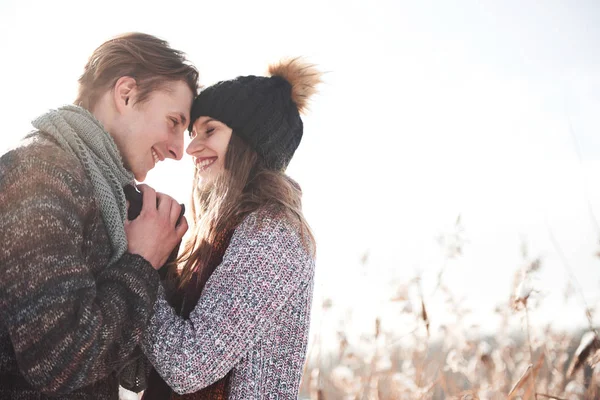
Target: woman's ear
[(124, 92)]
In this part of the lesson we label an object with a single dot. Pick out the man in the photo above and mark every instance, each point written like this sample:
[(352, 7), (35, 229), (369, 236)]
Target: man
[(78, 281)]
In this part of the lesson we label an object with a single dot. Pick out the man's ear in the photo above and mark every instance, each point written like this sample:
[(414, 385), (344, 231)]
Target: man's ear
[(124, 92)]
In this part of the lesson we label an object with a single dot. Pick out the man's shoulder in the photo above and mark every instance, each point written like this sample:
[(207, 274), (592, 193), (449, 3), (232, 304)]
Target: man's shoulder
[(37, 152)]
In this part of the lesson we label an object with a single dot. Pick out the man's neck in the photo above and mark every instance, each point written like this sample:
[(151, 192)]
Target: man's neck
[(104, 112)]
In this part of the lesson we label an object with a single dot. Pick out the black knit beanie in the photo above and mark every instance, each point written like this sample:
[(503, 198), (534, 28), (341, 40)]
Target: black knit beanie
[(263, 111)]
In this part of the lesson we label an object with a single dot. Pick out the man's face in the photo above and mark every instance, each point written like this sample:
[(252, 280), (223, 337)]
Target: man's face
[(149, 132)]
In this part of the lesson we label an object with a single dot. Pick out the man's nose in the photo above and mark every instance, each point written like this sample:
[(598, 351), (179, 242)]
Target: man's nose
[(175, 147)]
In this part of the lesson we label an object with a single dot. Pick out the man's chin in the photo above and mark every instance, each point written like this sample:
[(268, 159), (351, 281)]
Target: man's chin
[(138, 173), (140, 176)]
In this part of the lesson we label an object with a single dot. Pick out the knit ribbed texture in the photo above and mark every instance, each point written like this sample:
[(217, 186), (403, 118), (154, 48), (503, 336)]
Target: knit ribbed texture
[(76, 130), (184, 301), (68, 321), (251, 321)]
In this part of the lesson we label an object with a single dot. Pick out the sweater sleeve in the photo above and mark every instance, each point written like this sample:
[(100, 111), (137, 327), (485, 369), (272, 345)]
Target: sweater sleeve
[(263, 266), (69, 327)]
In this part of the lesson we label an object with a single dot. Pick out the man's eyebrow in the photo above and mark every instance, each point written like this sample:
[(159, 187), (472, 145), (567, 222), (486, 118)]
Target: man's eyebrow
[(183, 119)]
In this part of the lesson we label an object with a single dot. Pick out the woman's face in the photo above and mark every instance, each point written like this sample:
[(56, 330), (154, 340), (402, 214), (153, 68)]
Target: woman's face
[(210, 139)]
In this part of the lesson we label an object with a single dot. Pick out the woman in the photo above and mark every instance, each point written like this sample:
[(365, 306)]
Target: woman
[(241, 328)]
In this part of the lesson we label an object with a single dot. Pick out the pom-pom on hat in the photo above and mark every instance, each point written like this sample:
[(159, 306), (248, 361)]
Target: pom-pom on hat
[(263, 111)]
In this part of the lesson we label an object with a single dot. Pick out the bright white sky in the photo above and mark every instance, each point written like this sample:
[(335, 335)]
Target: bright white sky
[(430, 110)]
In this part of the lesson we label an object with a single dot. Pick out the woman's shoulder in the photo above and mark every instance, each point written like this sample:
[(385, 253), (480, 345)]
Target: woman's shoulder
[(269, 219), (271, 239), (271, 225)]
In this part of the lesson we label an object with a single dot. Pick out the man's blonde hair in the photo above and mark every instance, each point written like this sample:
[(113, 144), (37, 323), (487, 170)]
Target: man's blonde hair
[(146, 58)]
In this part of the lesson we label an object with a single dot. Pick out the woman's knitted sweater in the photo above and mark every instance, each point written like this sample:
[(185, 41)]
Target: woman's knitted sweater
[(252, 318), (68, 323)]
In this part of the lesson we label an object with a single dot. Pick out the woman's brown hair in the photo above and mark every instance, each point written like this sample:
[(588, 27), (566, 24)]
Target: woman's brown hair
[(244, 186)]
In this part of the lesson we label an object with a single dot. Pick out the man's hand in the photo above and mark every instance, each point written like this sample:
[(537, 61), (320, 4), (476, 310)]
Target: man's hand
[(153, 234)]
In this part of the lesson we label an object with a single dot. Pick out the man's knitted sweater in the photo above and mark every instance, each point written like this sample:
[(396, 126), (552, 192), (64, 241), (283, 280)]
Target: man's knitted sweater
[(68, 322), (252, 318)]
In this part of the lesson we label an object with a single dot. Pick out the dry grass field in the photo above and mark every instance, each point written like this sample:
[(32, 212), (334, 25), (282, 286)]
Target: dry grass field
[(533, 362)]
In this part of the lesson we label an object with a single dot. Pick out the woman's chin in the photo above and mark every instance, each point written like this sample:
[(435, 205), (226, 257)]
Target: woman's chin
[(205, 178)]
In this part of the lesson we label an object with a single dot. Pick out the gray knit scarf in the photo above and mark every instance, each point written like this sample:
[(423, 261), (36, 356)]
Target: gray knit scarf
[(77, 131)]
